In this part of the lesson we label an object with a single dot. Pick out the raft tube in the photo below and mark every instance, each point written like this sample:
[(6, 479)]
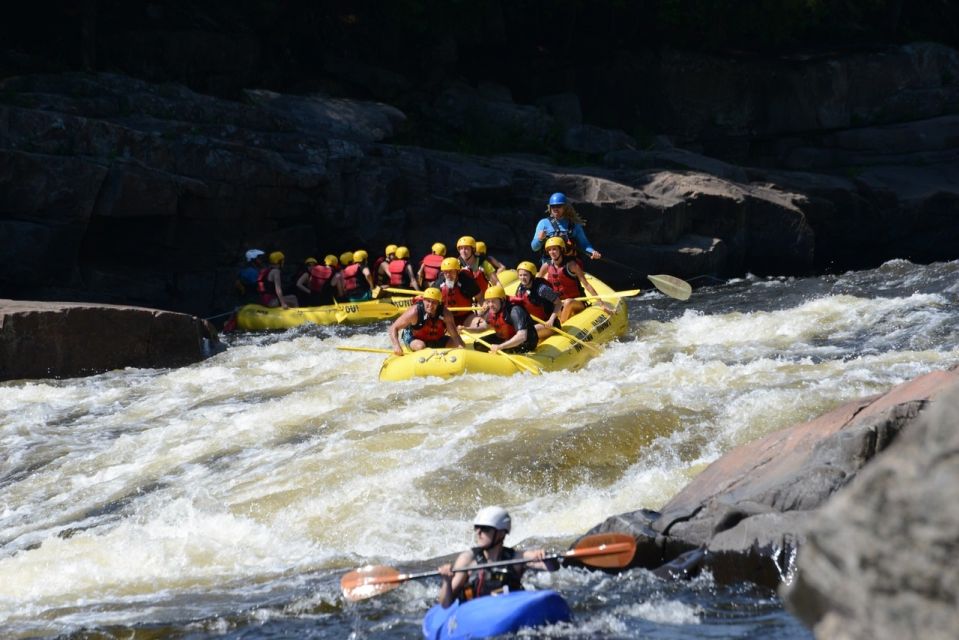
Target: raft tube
[(255, 317), (593, 325)]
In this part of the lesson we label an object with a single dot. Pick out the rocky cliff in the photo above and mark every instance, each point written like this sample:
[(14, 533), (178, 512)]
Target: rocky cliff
[(118, 190)]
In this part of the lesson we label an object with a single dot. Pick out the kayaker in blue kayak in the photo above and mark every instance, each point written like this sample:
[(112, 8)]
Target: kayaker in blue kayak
[(491, 524)]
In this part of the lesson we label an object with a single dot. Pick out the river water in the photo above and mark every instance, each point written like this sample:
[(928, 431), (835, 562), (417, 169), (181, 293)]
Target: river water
[(226, 499)]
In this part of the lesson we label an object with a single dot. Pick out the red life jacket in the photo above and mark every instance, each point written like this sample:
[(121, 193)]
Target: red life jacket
[(398, 275), (262, 283), (563, 282), (320, 275), (354, 281), (454, 297), (426, 327), (499, 322), (431, 264)]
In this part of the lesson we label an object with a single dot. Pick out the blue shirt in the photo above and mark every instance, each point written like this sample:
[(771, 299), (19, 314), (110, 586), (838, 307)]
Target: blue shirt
[(571, 230), (249, 275)]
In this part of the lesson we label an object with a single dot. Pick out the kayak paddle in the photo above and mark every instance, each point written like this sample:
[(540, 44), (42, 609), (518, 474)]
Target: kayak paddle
[(603, 550)]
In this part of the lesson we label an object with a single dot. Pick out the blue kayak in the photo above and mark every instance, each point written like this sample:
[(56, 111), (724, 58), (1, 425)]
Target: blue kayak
[(495, 615)]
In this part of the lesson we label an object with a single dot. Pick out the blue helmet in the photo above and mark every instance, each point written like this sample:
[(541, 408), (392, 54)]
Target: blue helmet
[(557, 198)]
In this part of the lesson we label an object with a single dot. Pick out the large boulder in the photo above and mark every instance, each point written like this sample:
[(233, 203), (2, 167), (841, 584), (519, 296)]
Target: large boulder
[(62, 340), (750, 510), (879, 558)]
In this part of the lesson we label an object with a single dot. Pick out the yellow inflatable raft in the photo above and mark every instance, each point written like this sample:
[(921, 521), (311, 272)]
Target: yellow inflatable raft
[(254, 317), (593, 326)]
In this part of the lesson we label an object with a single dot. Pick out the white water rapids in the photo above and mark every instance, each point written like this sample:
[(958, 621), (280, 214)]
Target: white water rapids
[(163, 496)]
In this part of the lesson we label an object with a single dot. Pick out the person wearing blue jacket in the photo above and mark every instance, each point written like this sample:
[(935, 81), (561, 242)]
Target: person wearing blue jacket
[(563, 221)]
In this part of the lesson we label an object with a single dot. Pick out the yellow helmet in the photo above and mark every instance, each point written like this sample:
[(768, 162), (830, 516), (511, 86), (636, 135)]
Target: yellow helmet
[(346, 258), (466, 241), (310, 261), (390, 248), (450, 264), (439, 248), (277, 257), (360, 255), (481, 247), (402, 252), (331, 261), (494, 291), (526, 265), (432, 293), (556, 241)]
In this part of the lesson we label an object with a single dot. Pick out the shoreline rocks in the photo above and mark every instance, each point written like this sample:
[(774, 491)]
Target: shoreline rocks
[(749, 512), (65, 339)]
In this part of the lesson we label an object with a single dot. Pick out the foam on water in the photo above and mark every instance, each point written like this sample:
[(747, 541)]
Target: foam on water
[(285, 457)]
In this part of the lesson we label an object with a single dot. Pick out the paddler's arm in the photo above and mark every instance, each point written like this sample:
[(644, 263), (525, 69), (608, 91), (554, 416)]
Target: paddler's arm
[(414, 281), (453, 583), (537, 562), (405, 320), (452, 329), (575, 268)]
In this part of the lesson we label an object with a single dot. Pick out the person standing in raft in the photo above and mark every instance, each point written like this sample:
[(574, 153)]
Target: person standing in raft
[(538, 298), (562, 221), (430, 265), (400, 271), (270, 286), (458, 289), (427, 323), (515, 331), (567, 279), (491, 525), (355, 281)]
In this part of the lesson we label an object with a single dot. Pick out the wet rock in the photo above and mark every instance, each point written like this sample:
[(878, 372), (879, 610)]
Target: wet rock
[(750, 510), (878, 559), (62, 340)]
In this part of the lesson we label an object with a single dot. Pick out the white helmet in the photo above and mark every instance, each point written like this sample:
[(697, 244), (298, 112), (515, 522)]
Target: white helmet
[(253, 254), (495, 517)]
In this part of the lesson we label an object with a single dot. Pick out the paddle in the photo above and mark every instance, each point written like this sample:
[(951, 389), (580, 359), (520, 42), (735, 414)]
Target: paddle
[(409, 292), (516, 361), (672, 286), (603, 550), (563, 333), (366, 349), (612, 294)]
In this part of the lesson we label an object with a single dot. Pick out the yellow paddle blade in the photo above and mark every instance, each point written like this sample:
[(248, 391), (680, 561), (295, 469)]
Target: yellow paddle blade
[(672, 286)]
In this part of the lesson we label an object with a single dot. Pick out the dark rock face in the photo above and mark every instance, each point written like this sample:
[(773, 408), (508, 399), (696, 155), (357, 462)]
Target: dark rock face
[(879, 559), (61, 340), (117, 190), (750, 510)]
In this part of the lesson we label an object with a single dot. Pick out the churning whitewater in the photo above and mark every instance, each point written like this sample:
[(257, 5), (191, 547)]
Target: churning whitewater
[(230, 495)]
